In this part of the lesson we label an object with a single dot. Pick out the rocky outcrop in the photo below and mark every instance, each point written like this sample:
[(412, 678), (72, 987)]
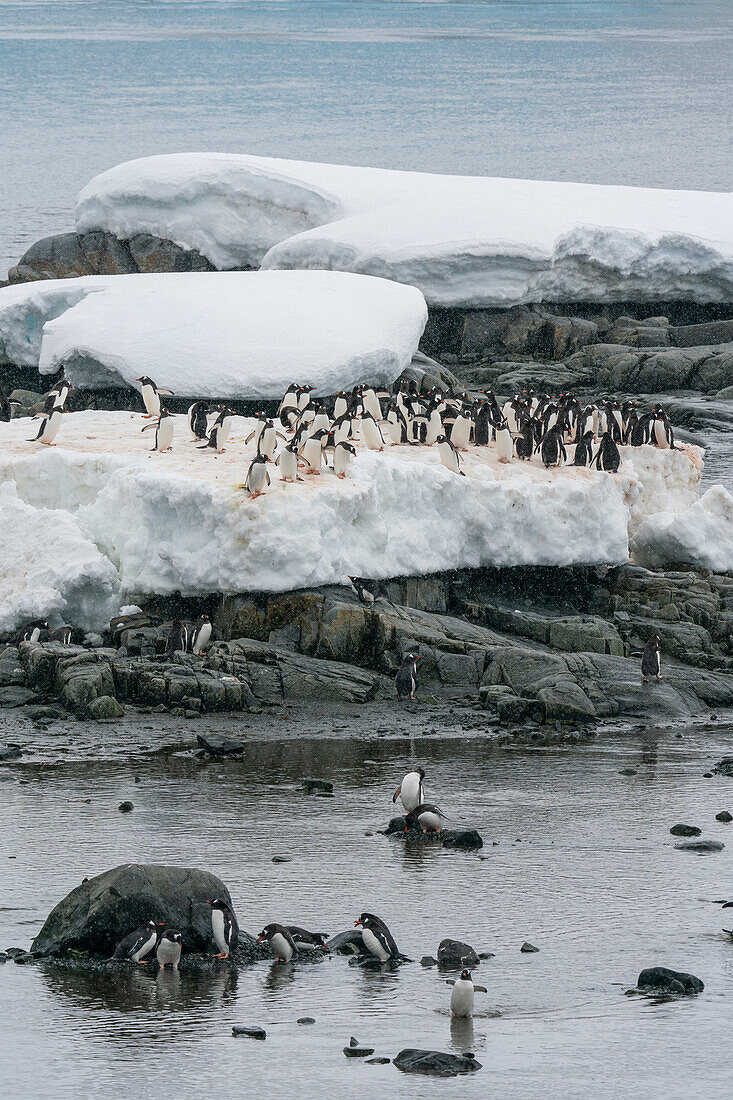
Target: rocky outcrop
[(435, 1063), (658, 979), (524, 330), (620, 368)]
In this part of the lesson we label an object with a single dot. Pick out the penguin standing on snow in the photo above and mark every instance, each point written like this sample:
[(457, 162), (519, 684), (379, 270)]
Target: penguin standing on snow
[(224, 927), (461, 999), (460, 433), (138, 944), (197, 421), (552, 448), (50, 424), (660, 430), (410, 791), (220, 430), (257, 476), (651, 659), (201, 635), (482, 425), (59, 392), (169, 949), (449, 455), (406, 678), (343, 455), (312, 452), (177, 639), (371, 433), (287, 460), (608, 457), (524, 443), (584, 450), (280, 941), (151, 395), (377, 937), (504, 442), (163, 432)]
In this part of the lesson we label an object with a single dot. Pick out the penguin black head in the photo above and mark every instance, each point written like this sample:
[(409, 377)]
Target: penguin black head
[(145, 381), (217, 903), (465, 975), (347, 447), (367, 920), (172, 934)]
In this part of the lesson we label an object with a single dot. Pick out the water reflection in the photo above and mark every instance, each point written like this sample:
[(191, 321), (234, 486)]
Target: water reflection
[(141, 988)]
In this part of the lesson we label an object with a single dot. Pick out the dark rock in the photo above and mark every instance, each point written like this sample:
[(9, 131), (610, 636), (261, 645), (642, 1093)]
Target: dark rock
[(378, 1061), (658, 979), (15, 696), (10, 752), (305, 1020), (455, 954), (725, 766), (310, 785), (528, 948), (218, 744), (13, 952), (685, 830), (44, 714), (724, 816), (95, 916), (349, 942), (628, 771), (435, 1063), (23, 957), (701, 846), (105, 707), (282, 859), (428, 960), (125, 807), (250, 1032), (466, 839), (358, 1052), (486, 955)]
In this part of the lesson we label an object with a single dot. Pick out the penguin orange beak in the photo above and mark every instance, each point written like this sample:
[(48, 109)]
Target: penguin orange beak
[(207, 902), (260, 939), (357, 923)]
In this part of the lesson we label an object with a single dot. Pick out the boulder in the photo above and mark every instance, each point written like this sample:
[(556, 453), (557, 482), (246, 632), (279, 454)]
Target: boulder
[(658, 979), (250, 1032), (685, 830), (524, 330), (701, 846), (105, 707), (435, 1063), (725, 766), (724, 816), (349, 942), (9, 751), (466, 839), (218, 744), (454, 954), (96, 915)]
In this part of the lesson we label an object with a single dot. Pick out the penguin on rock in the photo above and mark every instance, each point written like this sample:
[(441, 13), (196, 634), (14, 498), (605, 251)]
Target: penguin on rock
[(651, 659), (410, 791), (377, 937), (307, 941), (201, 635), (168, 952), (426, 817), (224, 927), (280, 941), (138, 944), (406, 678), (177, 639)]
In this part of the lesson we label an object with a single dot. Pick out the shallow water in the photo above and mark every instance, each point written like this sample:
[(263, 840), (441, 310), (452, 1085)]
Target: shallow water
[(605, 91), (578, 860)]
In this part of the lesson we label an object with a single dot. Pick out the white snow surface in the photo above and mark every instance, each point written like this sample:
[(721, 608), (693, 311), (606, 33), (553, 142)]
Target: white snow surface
[(701, 535), (132, 522), (235, 334), (465, 241)]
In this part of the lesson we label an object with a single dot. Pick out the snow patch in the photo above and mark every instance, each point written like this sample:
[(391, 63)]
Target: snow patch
[(701, 535)]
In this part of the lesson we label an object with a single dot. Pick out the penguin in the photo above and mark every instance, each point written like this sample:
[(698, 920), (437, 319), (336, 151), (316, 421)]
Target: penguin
[(304, 393), (197, 421), (312, 452), (552, 448), (50, 424), (461, 999), (340, 406), (449, 455), (370, 400), (460, 433), (524, 443), (482, 425), (62, 635), (267, 442), (377, 937), (434, 426), (163, 431), (340, 430), (257, 476), (288, 462), (138, 944), (343, 456), (280, 940), (406, 678), (608, 457), (427, 817), (31, 632), (201, 635), (584, 450), (307, 941), (169, 949), (371, 433), (651, 659), (224, 927), (661, 434), (504, 442), (366, 595), (397, 424), (220, 431), (59, 392), (177, 639), (260, 421), (151, 396), (410, 791), (321, 422), (289, 400), (6, 409)]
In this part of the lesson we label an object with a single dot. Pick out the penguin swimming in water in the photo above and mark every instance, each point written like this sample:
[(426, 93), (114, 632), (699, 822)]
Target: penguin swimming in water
[(197, 421), (343, 456), (50, 424), (552, 448), (31, 632), (427, 817), (62, 635), (163, 431), (138, 944), (201, 635), (608, 457), (406, 678), (449, 455), (410, 791), (151, 395), (651, 659), (257, 476), (377, 937), (461, 999), (584, 450), (307, 941), (177, 639), (169, 949), (280, 940), (224, 927)]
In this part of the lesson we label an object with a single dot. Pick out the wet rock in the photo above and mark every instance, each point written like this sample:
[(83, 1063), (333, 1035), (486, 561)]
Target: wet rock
[(466, 839), (305, 1020), (524, 330), (349, 942), (105, 708), (701, 846), (96, 915), (725, 766), (218, 744), (250, 1032), (685, 830), (724, 815), (658, 979), (378, 1061), (126, 807), (311, 785), (13, 952), (23, 957), (428, 960), (43, 714), (486, 955), (455, 954), (16, 696), (435, 1063), (358, 1052), (282, 859), (528, 948), (10, 751), (628, 771)]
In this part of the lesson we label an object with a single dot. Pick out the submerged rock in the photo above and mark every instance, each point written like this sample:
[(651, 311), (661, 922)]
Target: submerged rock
[(218, 744), (450, 838), (658, 979), (349, 942), (311, 785), (10, 752), (701, 846), (435, 1063), (250, 1032)]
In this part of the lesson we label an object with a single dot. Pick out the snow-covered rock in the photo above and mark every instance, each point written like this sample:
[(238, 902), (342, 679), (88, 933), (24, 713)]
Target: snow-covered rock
[(465, 241), (236, 334), (136, 522), (701, 535)]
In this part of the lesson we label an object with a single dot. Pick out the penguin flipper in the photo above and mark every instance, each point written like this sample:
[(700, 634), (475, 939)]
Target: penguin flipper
[(250, 436), (168, 392), (452, 981), (153, 425), (480, 989)]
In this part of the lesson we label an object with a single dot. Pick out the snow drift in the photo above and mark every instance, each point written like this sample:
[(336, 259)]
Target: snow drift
[(217, 334), (136, 522), (701, 535), (465, 241)]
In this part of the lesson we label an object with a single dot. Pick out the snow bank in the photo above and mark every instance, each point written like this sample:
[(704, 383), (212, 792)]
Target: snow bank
[(243, 334), (465, 241), (136, 522), (701, 535)]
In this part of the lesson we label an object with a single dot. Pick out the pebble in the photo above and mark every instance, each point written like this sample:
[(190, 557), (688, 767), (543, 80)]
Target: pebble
[(305, 1020), (724, 816), (528, 948), (685, 830), (628, 771), (282, 859), (250, 1032), (125, 807)]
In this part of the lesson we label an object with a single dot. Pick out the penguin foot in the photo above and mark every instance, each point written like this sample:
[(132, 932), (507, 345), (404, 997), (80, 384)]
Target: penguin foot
[(645, 681), (220, 956)]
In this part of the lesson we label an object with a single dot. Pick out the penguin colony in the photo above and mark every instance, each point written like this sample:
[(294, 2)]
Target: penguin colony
[(287, 941)]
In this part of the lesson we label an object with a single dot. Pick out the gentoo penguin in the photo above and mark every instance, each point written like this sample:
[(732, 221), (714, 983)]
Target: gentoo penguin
[(460, 433), (58, 393), (435, 425), (287, 460), (151, 395), (482, 425), (340, 406), (370, 400), (504, 442), (197, 421), (224, 927), (365, 595), (524, 443), (343, 455), (427, 817), (289, 400), (6, 409), (340, 430), (138, 944), (608, 457), (660, 432), (220, 430), (257, 476), (312, 452), (200, 635), (552, 448), (163, 431), (169, 949), (304, 396), (651, 659), (177, 639), (410, 791), (281, 942), (377, 937), (371, 433), (406, 678), (307, 941), (321, 422), (31, 632), (50, 424), (261, 421), (584, 450), (449, 455), (461, 999), (62, 635), (396, 424)]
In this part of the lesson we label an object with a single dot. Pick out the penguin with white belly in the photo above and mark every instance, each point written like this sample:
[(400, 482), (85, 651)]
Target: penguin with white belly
[(138, 944), (462, 997), (287, 460), (220, 431), (201, 635), (169, 949), (311, 451), (340, 406), (58, 393), (224, 927), (31, 632), (343, 455), (50, 424), (163, 432), (435, 424), (370, 400), (410, 791), (371, 433), (426, 817), (377, 937), (397, 424), (257, 476), (660, 431), (449, 455), (460, 433), (406, 678), (651, 659), (151, 395), (504, 442), (280, 941), (267, 442), (262, 420)]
